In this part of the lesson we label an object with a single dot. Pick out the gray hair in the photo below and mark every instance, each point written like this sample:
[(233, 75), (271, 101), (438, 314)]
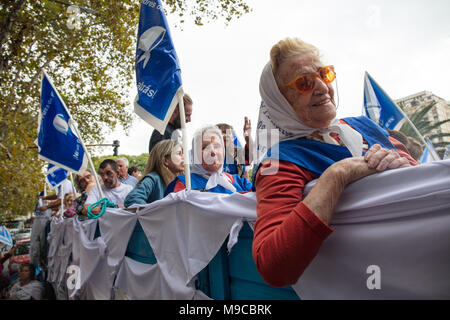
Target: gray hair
[(287, 48), (197, 141), (77, 179), (125, 161)]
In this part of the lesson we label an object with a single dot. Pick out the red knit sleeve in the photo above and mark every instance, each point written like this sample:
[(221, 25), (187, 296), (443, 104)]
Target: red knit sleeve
[(287, 234), (179, 186), (403, 151)]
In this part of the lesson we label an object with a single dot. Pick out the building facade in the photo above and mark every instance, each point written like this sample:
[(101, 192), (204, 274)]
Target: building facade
[(439, 112)]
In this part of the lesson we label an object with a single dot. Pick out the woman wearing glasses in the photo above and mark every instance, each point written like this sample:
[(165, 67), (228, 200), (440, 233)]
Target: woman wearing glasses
[(298, 102), (84, 184)]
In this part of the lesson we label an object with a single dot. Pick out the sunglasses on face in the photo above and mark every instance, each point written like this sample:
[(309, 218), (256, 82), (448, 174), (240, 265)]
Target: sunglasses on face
[(306, 82)]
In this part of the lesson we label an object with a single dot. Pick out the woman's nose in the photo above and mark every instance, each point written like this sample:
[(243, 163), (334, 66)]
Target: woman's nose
[(320, 87)]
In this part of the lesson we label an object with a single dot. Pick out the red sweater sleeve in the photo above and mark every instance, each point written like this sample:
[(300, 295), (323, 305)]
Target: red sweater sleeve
[(287, 234)]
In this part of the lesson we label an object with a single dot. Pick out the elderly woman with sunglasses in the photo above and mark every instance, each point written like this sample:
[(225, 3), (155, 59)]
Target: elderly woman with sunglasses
[(298, 103)]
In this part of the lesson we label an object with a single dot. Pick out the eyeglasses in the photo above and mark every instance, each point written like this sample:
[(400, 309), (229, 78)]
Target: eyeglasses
[(306, 82), (86, 178)]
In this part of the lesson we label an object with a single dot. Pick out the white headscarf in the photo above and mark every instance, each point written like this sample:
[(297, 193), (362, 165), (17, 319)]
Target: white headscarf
[(277, 113), (214, 178)]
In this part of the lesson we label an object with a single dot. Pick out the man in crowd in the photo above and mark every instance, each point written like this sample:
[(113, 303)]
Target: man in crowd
[(124, 177), (112, 189), (135, 172), (173, 124)]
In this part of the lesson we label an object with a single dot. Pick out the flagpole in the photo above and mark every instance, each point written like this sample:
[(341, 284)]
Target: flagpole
[(74, 126), (62, 201), (73, 184), (415, 129), (187, 170)]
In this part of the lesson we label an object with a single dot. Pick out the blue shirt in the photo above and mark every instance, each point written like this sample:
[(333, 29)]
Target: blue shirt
[(132, 181)]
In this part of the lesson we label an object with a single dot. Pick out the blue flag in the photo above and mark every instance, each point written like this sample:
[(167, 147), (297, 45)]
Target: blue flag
[(379, 107), (236, 141), (5, 236), (428, 156), (158, 74), (57, 142), (55, 176)]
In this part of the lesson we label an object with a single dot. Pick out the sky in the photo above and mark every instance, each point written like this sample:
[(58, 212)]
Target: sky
[(403, 44)]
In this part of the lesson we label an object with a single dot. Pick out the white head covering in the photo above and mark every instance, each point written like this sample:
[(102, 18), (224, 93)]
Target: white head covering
[(277, 113), (214, 178)]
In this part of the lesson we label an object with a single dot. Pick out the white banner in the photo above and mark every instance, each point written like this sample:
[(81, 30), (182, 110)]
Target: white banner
[(391, 241)]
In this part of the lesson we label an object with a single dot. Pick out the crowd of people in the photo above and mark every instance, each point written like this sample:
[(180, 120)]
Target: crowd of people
[(298, 100)]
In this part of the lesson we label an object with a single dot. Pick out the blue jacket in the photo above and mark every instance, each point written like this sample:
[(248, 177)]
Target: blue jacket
[(151, 188)]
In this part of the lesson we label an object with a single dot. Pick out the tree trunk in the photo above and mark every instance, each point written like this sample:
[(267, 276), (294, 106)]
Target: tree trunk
[(5, 28)]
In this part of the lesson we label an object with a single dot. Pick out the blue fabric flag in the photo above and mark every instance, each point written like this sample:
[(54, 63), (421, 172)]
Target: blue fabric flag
[(57, 142), (5, 236), (427, 156), (55, 176), (158, 74), (379, 107), (236, 141)]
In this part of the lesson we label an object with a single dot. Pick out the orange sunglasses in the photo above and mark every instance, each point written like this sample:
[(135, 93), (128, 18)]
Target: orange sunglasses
[(306, 83)]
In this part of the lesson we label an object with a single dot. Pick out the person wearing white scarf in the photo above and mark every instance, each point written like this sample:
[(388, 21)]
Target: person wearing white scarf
[(277, 113), (208, 160), (290, 228), (207, 157)]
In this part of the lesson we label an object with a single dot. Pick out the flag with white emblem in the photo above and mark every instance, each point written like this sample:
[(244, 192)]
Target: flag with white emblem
[(158, 74), (55, 175), (57, 140)]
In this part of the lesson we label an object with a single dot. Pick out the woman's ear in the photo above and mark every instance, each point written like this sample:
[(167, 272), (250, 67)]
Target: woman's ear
[(166, 161)]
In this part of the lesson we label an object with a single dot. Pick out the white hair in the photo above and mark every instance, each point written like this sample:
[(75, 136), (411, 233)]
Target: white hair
[(196, 150), (125, 161)]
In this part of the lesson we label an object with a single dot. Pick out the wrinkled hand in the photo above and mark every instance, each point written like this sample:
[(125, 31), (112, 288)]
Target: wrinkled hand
[(384, 159), (247, 127), (349, 170)]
